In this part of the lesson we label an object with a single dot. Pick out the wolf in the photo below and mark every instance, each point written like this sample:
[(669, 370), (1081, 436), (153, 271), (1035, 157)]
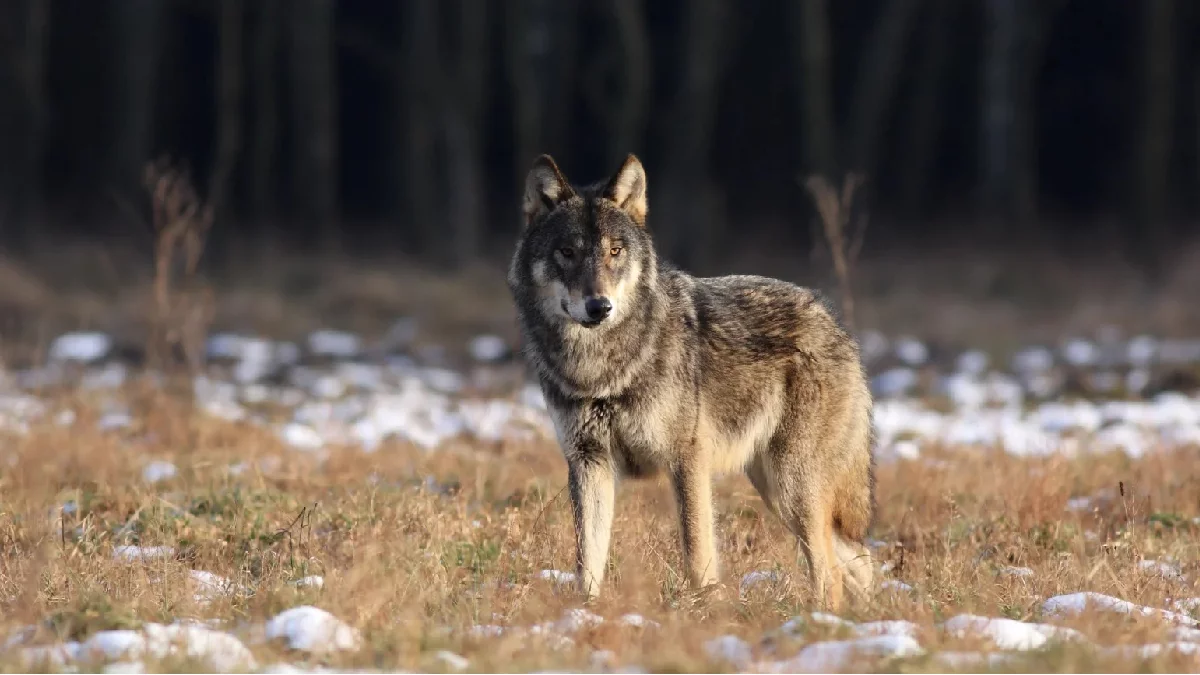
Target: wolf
[(647, 370)]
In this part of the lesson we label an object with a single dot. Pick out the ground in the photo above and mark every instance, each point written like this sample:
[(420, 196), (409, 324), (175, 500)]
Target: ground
[(370, 504)]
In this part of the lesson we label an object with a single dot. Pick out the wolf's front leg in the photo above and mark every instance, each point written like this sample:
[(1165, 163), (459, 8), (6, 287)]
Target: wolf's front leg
[(693, 496), (593, 486)]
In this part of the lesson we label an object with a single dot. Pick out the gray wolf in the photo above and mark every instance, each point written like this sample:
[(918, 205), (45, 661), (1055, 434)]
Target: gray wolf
[(648, 370)]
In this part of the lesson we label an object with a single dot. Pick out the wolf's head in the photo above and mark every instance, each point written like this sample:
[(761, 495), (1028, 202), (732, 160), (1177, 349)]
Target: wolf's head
[(583, 252)]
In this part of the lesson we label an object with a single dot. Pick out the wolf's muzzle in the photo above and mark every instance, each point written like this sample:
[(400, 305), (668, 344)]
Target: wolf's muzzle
[(598, 308)]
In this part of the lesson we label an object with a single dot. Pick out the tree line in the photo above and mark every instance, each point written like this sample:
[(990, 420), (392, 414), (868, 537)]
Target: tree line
[(413, 122)]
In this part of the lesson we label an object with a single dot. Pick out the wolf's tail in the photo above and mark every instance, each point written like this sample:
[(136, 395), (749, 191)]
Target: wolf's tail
[(854, 508)]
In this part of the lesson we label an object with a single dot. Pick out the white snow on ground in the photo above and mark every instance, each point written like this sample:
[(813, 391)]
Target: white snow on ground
[(575, 620), (557, 577), (312, 629), (729, 649), (1008, 633), (1078, 603), (1187, 605), (143, 553), (488, 348), (1150, 651), (365, 403), (313, 581), (911, 351), (892, 627), (301, 437), (207, 586), (334, 343), (117, 419), (1166, 570), (451, 660), (159, 470), (842, 655), (1132, 427), (1019, 572), (752, 579), (82, 346), (637, 621), (219, 651), (54, 657), (556, 633), (972, 661), (797, 625)]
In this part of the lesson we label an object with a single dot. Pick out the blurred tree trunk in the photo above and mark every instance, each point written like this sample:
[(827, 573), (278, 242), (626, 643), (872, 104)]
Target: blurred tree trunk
[(417, 93), (691, 202), (1018, 33), (24, 143), (444, 93), (925, 118), (229, 103), (877, 80), (462, 119), (997, 110), (314, 110), (619, 82), (539, 51), (1034, 33), (137, 30), (1154, 156), (813, 60), (264, 142)]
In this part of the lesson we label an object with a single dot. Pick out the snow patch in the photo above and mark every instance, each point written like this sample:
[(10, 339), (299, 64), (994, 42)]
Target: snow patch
[(843, 655), (729, 649), (752, 579), (487, 348), (334, 344), (557, 577), (312, 629), (129, 553), (451, 660), (158, 471), (85, 347), (221, 651), (1008, 633), (1077, 603)]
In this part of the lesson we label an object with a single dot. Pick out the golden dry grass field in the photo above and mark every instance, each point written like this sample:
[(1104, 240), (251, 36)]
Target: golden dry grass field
[(419, 549), (381, 508)]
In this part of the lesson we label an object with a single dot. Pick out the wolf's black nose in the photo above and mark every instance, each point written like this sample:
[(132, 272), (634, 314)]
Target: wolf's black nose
[(597, 308)]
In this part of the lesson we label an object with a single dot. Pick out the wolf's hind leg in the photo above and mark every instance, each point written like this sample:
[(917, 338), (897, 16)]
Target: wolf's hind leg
[(800, 506), (855, 559)]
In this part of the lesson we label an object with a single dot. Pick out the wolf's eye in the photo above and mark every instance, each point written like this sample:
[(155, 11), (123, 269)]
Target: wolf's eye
[(566, 252), (615, 251)]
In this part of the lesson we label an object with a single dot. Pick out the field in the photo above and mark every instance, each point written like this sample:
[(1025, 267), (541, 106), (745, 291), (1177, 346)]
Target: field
[(392, 499)]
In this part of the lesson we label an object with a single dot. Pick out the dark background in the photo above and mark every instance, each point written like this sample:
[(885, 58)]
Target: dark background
[(407, 125)]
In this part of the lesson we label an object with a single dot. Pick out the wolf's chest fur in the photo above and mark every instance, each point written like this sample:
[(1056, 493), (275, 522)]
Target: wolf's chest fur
[(671, 415)]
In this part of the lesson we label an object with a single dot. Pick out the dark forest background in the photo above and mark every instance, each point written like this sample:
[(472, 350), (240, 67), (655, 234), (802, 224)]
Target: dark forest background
[(408, 125)]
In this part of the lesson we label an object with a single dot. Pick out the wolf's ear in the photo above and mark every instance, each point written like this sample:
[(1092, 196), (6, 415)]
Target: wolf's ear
[(545, 188), (628, 189)]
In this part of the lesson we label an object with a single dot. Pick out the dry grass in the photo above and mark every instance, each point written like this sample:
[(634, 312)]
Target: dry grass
[(414, 565)]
